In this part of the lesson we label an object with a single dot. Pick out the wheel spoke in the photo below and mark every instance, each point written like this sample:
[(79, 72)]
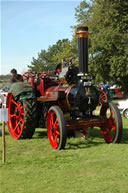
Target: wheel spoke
[(21, 125), (22, 108), (114, 127), (56, 138), (52, 122), (21, 118), (14, 102), (111, 115), (56, 121), (18, 129), (57, 132), (56, 127), (16, 126), (55, 124), (12, 115), (107, 135)]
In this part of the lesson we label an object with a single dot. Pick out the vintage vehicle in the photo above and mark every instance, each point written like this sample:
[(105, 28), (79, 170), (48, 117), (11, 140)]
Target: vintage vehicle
[(123, 107), (116, 92), (63, 106)]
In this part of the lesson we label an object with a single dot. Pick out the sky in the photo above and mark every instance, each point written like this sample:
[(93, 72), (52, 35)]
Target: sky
[(27, 27)]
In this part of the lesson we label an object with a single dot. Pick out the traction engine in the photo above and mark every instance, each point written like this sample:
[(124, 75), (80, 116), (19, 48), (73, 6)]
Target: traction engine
[(64, 106)]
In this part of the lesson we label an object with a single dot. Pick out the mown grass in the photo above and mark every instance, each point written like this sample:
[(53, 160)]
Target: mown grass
[(85, 166)]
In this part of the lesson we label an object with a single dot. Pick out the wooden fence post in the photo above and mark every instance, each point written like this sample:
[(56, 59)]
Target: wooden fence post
[(3, 143), (3, 119)]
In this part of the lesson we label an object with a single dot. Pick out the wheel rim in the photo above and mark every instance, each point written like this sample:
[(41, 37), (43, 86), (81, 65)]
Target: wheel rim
[(15, 117), (102, 97), (109, 130), (53, 129)]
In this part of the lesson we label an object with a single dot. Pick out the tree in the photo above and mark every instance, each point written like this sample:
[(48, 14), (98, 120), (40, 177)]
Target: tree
[(48, 59), (108, 38)]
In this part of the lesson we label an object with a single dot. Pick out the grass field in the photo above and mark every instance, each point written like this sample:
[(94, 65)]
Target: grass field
[(85, 166)]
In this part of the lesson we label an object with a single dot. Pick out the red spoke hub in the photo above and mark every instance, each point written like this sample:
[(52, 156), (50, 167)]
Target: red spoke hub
[(53, 129)]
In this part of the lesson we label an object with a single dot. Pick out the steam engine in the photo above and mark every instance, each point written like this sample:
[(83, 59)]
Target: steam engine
[(54, 98)]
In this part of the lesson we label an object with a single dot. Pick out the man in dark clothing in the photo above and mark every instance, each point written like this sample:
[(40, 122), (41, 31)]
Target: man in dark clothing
[(14, 76)]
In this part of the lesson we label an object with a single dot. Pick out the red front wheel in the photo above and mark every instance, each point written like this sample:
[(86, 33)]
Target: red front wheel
[(56, 128), (112, 129)]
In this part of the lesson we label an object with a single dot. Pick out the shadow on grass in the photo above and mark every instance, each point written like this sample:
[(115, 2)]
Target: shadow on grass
[(40, 134), (125, 136), (95, 138), (83, 144)]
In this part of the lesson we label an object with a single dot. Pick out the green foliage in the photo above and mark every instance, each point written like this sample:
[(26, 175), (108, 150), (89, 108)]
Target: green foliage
[(82, 13), (108, 42), (47, 60), (108, 38), (5, 77), (5, 81)]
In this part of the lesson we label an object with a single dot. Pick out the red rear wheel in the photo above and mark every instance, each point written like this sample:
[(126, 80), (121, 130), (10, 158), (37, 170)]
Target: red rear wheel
[(112, 130), (22, 119), (15, 117), (56, 128)]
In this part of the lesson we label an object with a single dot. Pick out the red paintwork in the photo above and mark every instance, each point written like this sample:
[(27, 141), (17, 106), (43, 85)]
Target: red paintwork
[(46, 87), (15, 117), (85, 124), (102, 97), (107, 125), (31, 81), (54, 135), (48, 91), (40, 87), (116, 93), (109, 128)]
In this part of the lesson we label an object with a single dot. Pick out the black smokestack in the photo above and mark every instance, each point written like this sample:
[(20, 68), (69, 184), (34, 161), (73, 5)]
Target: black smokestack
[(82, 34)]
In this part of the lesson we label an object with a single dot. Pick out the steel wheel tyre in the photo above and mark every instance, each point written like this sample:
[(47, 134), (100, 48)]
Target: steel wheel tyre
[(126, 113), (56, 128), (22, 120), (112, 130)]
